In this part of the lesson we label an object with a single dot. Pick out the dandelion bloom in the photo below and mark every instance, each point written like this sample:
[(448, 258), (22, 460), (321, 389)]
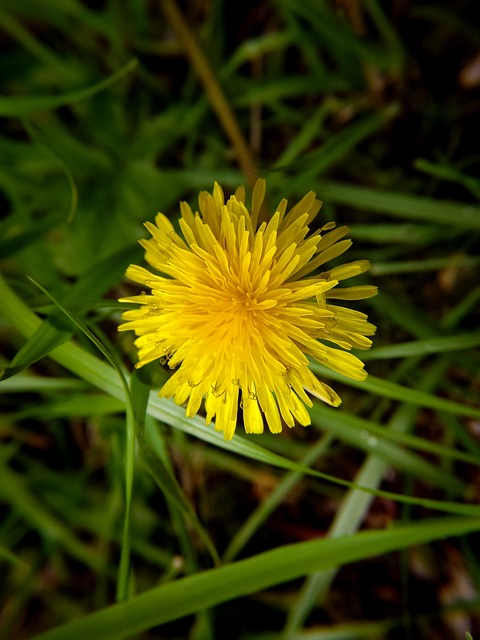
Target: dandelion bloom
[(238, 310)]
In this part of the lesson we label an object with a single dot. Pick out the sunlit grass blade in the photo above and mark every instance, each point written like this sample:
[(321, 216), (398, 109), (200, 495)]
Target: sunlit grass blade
[(209, 588), (31, 383)]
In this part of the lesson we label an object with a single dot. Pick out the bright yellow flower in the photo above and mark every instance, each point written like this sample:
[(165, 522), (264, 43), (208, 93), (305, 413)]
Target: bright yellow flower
[(238, 310)]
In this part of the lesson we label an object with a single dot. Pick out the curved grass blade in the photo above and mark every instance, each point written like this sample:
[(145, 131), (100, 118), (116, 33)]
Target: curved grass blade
[(355, 504), (21, 106), (357, 432), (36, 139), (369, 429), (137, 401)]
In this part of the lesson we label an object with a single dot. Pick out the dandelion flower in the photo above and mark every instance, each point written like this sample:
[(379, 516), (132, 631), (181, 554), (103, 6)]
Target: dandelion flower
[(240, 306)]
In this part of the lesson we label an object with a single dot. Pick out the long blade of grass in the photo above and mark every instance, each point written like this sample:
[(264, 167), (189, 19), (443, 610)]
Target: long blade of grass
[(427, 346), (209, 588), (402, 205), (21, 106), (370, 430), (124, 564), (349, 429), (395, 391)]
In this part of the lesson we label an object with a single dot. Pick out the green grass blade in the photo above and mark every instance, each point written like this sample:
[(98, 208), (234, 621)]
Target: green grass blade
[(124, 565), (402, 205), (359, 433), (209, 588), (370, 429), (21, 106), (157, 468), (354, 507), (395, 391), (428, 346)]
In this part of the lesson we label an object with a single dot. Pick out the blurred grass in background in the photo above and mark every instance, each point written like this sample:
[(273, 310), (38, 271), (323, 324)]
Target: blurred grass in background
[(104, 122)]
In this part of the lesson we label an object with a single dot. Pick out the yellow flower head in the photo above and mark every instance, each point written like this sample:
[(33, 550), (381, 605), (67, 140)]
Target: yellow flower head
[(238, 309)]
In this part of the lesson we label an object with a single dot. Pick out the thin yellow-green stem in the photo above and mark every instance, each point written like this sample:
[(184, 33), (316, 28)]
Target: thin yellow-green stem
[(213, 90)]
